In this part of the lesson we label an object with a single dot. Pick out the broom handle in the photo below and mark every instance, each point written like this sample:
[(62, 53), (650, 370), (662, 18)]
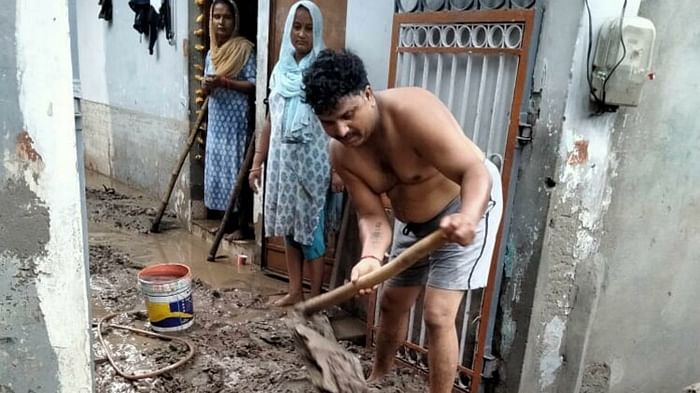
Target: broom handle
[(402, 262), (235, 193), (155, 226)]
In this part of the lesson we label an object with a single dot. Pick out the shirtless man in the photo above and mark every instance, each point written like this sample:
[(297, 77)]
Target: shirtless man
[(406, 144)]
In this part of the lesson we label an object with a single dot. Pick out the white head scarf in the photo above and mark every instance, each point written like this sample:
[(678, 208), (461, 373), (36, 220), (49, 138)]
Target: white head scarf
[(288, 74)]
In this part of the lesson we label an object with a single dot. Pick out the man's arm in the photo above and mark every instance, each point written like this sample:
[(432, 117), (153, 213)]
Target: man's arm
[(440, 140), (375, 231), (373, 224)]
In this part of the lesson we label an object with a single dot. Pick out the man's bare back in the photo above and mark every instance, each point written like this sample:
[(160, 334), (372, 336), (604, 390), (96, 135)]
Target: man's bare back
[(397, 161)]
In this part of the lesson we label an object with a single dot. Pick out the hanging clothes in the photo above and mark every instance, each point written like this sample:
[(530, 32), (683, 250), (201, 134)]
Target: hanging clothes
[(146, 21), (166, 19), (105, 10)]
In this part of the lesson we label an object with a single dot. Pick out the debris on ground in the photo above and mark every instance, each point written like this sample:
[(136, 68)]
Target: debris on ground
[(131, 213), (241, 344)]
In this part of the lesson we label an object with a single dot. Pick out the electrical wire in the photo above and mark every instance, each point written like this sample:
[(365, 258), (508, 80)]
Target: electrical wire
[(148, 374), (624, 50), (589, 65)]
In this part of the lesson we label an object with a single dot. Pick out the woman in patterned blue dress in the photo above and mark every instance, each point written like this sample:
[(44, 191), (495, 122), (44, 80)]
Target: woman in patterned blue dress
[(229, 81), (297, 173)]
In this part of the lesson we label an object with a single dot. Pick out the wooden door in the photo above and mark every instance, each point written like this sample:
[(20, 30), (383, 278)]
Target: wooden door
[(334, 14)]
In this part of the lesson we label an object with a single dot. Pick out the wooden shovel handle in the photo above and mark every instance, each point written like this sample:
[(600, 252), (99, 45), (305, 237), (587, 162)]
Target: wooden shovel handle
[(402, 262)]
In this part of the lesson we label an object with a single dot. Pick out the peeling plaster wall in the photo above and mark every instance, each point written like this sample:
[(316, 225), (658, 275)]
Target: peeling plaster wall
[(44, 322), (534, 177), (617, 270), (135, 105), (643, 336), (571, 268)]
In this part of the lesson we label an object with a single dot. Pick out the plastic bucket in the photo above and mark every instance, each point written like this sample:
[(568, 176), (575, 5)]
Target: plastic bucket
[(168, 292)]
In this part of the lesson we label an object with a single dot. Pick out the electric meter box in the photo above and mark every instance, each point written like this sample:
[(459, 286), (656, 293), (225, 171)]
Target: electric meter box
[(624, 85)]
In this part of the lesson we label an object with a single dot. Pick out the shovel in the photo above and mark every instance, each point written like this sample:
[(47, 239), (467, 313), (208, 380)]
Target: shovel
[(331, 368)]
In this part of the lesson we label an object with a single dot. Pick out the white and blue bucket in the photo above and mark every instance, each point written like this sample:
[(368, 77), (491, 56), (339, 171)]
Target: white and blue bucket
[(167, 288)]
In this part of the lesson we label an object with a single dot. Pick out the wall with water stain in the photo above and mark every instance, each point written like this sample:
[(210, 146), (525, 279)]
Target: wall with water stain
[(135, 105), (534, 185), (613, 304), (640, 334), (44, 323)]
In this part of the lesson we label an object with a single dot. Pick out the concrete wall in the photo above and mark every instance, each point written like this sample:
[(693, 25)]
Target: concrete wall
[(580, 195), (613, 307), (641, 336), (135, 105), (534, 171), (368, 33), (44, 323)]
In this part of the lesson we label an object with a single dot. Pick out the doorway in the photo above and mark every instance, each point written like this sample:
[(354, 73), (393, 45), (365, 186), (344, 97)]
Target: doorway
[(334, 17), (206, 221)]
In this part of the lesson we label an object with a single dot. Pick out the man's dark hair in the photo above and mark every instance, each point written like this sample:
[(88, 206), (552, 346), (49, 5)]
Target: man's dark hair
[(333, 75)]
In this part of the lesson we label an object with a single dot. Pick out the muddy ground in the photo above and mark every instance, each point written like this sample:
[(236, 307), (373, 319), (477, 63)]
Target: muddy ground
[(241, 344), (132, 213)]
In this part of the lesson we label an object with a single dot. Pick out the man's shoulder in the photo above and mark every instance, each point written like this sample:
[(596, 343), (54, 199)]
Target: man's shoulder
[(401, 94), (405, 103), (411, 109), (419, 117), (338, 151), (346, 160)]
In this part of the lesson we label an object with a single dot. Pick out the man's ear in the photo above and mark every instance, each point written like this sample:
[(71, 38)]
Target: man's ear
[(368, 93)]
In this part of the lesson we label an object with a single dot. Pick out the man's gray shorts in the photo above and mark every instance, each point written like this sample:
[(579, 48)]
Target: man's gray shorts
[(452, 266)]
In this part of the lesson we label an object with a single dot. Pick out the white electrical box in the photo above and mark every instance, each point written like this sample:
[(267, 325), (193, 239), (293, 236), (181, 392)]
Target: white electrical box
[(622, 85)]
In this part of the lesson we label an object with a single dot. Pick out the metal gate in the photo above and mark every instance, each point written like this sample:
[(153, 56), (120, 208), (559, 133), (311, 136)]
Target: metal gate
[(472, 54)]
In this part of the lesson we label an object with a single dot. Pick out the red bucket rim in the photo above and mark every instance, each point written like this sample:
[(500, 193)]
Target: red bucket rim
[(178, 270)]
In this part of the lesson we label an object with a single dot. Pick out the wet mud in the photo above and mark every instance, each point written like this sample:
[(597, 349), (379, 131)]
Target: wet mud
[(131, 213), (241, 344)]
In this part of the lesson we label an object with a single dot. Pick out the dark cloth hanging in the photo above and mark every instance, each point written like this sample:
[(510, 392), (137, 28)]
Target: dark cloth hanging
[(146, 21), (166, 21), (105, 10)]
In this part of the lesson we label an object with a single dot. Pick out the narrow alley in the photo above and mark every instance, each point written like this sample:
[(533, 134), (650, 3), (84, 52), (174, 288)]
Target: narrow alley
[(349, 196)]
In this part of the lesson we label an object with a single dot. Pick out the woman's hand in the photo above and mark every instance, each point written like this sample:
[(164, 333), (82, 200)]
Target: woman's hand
[(337, 184), (210, 82), (254, 178)]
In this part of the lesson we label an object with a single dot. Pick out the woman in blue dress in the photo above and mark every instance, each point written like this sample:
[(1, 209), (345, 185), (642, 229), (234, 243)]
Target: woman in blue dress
[(294, 147), (229, 81)]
